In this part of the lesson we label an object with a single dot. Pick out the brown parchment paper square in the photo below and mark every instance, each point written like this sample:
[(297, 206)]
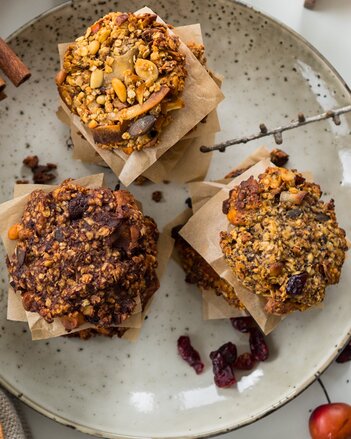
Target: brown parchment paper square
[(11, 213), (213, 306), (202, 233), (201, 96)]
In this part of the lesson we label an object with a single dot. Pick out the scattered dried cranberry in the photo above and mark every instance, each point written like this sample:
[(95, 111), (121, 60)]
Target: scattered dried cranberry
[(345, 354), (223, 360), (189, 354), (41, 174), (258, 345), (243, 324), (296, 283), (245, 361)]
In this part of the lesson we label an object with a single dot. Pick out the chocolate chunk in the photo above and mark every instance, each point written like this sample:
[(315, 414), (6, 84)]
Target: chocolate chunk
[(108, 219), (77, 206), (121, 237)]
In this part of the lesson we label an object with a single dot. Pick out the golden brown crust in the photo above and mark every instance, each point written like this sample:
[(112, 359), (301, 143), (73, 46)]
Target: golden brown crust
[(284, 243), (124, 68), (200, 273)]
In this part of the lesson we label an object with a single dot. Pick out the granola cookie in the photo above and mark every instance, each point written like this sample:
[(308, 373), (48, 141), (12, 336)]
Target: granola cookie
[(84, 255), (123, 78), (200, 273), (284, 243)]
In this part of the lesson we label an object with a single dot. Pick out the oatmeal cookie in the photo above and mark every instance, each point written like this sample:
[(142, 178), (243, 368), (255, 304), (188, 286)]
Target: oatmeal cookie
[(284, 243), (200, 273), (83, 255), (123, 78)]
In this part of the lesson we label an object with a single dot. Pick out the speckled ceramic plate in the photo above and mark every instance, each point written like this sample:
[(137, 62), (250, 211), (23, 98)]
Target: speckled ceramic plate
[(111, 388)]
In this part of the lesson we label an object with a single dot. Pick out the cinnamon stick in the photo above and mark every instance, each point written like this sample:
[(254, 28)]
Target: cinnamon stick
[(11, 65), (2, 84), (1, 432)]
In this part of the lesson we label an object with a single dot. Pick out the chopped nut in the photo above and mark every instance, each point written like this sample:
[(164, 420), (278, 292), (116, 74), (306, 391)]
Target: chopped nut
[(146, 70), (101, 99), (138, 66), (120, 89), (94, 47), (267, 229), (97, 78)]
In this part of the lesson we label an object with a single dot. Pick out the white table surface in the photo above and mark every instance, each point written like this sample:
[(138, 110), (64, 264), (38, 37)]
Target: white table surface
[(327, 28)]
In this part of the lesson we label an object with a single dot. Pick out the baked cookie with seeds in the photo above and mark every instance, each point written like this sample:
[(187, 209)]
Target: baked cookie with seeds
[(199, 272), (123, 78), (84, 255), (284, 242)]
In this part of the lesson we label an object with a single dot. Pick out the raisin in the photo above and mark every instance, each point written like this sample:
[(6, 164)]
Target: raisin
[(157, 196), (296, 283), (225, 206), (77, 206), (223, 360), (245, 361), (243, 324), (345, 354), (189, 354), (31, 161), (43, 177), (258, 345)]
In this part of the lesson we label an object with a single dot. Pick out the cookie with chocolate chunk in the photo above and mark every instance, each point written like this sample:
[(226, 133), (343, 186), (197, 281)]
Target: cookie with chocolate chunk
[(84, 255), (284, 242)]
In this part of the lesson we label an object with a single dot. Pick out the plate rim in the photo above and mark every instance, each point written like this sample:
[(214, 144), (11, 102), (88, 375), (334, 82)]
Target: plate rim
[(298, 390)]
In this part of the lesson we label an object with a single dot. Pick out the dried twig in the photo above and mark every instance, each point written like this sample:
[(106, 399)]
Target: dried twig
[(277, 132)]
